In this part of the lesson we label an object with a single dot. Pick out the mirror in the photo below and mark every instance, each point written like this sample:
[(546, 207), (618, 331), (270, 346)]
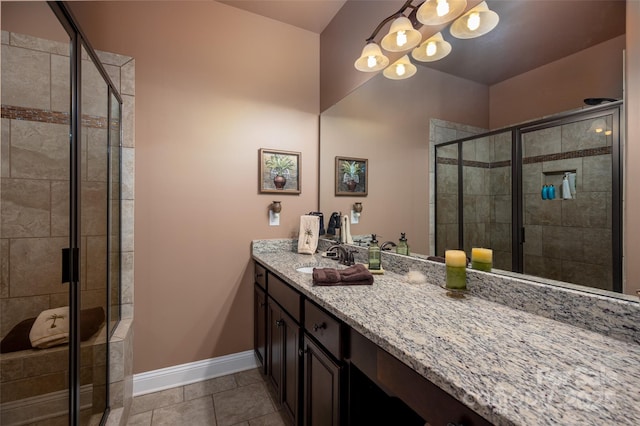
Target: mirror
[(512, 75)]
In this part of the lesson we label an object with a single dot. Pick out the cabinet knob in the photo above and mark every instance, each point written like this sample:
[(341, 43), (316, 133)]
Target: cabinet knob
[(317, 327), (301, 351), (279, 323), (260, 275), (262, 304)]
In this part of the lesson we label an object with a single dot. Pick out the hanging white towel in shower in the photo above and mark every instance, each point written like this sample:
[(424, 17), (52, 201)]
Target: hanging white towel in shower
[(50, 328), (309, 233)]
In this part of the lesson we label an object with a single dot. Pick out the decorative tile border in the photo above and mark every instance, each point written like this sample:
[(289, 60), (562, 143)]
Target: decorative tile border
[(53, 117)]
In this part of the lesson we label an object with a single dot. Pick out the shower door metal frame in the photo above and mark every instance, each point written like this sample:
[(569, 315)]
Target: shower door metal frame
[(518, 236), (78, 41)]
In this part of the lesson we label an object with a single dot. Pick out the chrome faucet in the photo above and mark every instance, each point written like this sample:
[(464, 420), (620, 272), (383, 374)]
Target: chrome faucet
[(386, 244)]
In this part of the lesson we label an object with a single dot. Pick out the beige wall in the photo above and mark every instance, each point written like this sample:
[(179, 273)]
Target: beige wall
[(632, 105), (213, 85), (555, 87)]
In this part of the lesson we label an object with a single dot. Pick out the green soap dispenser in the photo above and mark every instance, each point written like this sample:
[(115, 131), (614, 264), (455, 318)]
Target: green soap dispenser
[(403, 246), (374, 254)]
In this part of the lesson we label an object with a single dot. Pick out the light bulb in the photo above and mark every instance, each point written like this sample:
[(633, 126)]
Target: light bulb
[(599, 129), (473, 23), (442, 8), (431, 48), (401, 38), (371, 61), (608, 132), (400, 70)]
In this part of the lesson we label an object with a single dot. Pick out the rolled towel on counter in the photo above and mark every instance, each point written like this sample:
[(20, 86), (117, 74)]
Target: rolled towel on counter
[(308, 235), (353, 275), (50, 328)]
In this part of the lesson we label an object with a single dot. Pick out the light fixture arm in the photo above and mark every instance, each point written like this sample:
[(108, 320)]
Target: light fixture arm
[(412, 17)]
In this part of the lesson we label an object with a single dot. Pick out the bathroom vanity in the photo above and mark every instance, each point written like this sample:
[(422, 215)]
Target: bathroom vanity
[(410, 354)]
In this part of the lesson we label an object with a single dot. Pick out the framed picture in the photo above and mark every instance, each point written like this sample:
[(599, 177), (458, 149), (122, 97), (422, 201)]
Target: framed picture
[(279, 171), (352, 176)]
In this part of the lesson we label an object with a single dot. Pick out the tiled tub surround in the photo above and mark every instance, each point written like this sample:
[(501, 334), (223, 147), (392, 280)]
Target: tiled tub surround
[(34, 203), (516, 352)]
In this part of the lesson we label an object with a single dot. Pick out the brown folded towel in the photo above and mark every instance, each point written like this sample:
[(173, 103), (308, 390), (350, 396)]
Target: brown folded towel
[(325, 276), (354, 275)]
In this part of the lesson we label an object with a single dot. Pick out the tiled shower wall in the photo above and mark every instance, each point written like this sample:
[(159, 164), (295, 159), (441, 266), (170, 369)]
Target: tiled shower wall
[(34, 192), (569, 240)]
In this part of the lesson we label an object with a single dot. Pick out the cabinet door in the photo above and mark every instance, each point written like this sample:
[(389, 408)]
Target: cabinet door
[(260, 326), (322, 381), (274, 346), (291, 367)]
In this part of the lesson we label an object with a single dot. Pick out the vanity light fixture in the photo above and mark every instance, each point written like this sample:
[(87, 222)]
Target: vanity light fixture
[(403, 34), (436, 12), (400, 69), (372, 59), (476, 22), (432, 49)]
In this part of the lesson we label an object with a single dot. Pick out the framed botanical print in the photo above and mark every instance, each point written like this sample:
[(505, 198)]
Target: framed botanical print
[(279, 171), (352, 176)]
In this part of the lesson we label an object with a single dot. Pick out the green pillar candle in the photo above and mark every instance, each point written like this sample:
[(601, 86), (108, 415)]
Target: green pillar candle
[(456, 261), (481, 259)]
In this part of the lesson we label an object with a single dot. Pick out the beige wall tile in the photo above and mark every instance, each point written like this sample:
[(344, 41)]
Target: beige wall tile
[(127, 277), (11, 368), (39, 150), (36, 266), (128, 81), (5, 169), (578, 135), (5, 37), (94, 208), (25, 78), (541, 142), (4, 268), (60, 208), (97, 263), (97, 154), (24, 388), (114, 74), (541, 212), (127, 225), (25, 208), (108, 58), (596, 174), (587, 273), (128, 121), (560, 242), (128, 173), (94, 91), (501, 147), (47, 362), (60, 83), (41, 44)]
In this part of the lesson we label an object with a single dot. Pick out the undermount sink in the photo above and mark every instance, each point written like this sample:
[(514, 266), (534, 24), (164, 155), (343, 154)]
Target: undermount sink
[(305, 269)]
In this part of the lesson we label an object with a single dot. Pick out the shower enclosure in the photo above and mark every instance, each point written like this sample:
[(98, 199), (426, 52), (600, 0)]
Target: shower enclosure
[(545, 196), (60, 229)]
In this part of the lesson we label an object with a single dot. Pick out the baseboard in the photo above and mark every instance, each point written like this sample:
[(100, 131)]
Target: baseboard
[(184, 374)]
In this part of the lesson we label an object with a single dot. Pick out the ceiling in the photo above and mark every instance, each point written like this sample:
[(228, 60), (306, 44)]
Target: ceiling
[(530, 33), (312, 15)]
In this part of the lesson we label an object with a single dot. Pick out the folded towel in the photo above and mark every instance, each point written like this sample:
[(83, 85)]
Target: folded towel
[(353, 275), (308, 236), (50, 328), (326, 275)]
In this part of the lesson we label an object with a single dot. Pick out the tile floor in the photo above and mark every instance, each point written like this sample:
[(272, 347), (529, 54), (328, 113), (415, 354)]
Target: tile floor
[(240, 399)]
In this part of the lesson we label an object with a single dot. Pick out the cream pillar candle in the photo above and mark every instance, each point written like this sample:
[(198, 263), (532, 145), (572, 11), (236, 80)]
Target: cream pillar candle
[(456, 261), (481, 259)]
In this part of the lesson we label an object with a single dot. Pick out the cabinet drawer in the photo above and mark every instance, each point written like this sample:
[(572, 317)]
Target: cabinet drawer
[(286, 296), (324, 328), (260, 276)]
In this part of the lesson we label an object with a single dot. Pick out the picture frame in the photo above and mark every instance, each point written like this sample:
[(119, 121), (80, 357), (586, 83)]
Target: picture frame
[(352, 176), (279, 172)]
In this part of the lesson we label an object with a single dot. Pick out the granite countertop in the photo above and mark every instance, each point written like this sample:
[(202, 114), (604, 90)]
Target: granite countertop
[(510, 366)]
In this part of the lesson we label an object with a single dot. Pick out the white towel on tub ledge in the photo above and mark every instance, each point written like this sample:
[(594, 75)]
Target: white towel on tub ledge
[(50, 328), (308, 235)]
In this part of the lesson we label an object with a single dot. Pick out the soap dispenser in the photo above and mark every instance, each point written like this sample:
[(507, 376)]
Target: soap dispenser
[(374, 254), (403, 246)]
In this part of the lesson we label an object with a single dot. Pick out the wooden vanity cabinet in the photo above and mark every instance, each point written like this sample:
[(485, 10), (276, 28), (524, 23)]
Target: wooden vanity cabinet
[(260, 315), (283, 349), (324, 368)]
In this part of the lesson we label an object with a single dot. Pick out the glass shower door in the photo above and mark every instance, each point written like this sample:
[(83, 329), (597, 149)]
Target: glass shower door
[(94, 231), (447, 222), (567, 189), (35, 186)]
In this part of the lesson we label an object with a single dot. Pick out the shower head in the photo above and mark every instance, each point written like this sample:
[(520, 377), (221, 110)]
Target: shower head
[(598, 101)]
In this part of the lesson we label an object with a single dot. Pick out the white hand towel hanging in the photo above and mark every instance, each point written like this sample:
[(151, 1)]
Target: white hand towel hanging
[(308, 235)]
